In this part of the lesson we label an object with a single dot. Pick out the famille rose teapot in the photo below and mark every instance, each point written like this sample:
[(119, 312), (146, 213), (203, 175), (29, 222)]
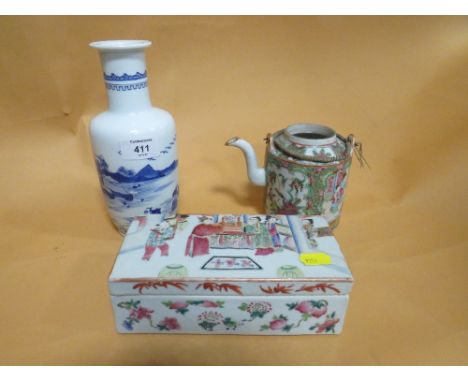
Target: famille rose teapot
[(306, 170)]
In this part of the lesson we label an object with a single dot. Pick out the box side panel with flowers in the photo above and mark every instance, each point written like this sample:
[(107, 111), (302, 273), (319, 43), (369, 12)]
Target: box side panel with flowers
[(276, 315)]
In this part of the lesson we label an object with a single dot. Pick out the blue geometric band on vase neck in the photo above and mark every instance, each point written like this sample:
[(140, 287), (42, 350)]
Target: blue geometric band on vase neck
[(125, 76), (127, 87)]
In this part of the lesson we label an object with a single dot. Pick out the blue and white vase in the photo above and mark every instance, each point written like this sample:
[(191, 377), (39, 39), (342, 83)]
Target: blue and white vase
[(134, 143)]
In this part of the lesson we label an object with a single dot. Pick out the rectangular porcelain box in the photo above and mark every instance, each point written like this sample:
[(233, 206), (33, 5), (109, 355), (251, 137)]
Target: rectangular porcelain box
[(230, 274)]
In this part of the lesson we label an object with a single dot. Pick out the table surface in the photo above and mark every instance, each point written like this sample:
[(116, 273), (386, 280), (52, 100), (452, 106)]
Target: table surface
[(398, 83)]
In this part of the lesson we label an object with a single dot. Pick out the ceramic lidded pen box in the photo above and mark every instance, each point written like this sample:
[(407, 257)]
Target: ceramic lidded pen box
[(230, 274)]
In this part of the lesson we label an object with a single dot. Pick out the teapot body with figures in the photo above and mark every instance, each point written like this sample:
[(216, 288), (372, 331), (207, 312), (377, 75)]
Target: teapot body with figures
[(306, 170)]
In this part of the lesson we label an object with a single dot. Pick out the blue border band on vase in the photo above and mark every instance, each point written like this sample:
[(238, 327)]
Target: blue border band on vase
[(125, 76), (126, 87)]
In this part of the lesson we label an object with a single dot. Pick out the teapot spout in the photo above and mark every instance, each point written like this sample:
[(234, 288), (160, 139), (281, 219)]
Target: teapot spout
[(256, 174)]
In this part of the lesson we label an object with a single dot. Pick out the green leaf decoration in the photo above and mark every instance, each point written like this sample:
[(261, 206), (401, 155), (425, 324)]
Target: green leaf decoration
[(264, 327), (292, 305), (128, 304), (306, 316), (167, 303), (207, 325), (333, 315), (313, 327), (243, 306), (229, 323), (195, 302), (256, 314), (220, 304), (182, 311), (287, 328), (203, 325), (319, 304)]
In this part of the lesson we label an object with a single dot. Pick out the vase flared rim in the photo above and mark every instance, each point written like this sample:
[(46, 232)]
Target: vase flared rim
[(120, 45)]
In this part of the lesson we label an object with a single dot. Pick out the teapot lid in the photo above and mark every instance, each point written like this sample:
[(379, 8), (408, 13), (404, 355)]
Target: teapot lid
[(311, 142)]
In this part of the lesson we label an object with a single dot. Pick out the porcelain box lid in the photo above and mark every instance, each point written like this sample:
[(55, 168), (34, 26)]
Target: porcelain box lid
[(228, 254)]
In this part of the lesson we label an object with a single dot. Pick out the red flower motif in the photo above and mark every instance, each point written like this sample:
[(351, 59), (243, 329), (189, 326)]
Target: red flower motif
[(159, 284), (144, 313), (141, 313), (170, 323), (212, 286), (284, 289), (277, 324), (178, 305), (327, 324), (321, 287), (209, 304), (309, 308), (133, 313)]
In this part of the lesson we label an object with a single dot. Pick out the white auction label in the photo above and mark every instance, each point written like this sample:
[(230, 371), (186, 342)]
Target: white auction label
[(138, 148)]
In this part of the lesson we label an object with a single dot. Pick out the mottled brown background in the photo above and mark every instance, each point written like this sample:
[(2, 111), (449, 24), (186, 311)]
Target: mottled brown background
[(400, 84)]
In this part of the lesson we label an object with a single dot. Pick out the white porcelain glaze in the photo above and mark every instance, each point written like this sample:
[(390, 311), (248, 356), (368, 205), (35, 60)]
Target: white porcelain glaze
[(134, 143), (256, 174)]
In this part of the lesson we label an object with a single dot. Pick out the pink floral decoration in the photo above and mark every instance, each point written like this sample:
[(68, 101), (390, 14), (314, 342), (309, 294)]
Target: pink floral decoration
[(141, 313), (309, 308), (278, 324), (170, 323), (178, 305)]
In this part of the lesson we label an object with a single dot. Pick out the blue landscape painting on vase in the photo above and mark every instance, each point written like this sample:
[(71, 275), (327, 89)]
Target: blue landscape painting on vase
[(126, 188)]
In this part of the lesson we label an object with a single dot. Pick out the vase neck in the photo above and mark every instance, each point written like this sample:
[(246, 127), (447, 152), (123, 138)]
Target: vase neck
[(126, 79)]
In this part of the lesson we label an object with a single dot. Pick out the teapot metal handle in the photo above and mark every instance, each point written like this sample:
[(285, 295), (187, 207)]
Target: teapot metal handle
[(356, 146)]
